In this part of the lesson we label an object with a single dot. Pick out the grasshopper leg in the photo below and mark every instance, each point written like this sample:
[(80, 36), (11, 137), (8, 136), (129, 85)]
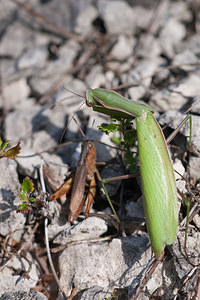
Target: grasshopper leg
[(64, 189), (91, 195)]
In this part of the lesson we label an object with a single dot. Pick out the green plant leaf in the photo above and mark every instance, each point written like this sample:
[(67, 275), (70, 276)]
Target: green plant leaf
[(3, 145), (23, 208), (130, 137), (27, 187), (130, 160), (128, 157), (108, 128), (31, 199), (116, 140), (11, 153), (132, 168)]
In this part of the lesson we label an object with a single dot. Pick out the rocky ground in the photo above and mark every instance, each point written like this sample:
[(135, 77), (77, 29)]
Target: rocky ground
[(150, 50)]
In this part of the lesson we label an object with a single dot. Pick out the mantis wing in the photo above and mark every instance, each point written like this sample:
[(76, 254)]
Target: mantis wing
[(158, 183)]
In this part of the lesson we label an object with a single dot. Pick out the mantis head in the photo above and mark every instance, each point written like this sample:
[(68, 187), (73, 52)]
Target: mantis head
[(89, 96)]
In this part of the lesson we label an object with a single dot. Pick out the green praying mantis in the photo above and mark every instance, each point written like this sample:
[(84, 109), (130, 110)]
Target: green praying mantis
[(157, 174)]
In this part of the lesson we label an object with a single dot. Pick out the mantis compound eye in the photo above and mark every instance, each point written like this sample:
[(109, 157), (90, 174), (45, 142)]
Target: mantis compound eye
[(89, 97)]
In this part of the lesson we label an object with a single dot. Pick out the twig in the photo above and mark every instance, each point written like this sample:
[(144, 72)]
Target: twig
[(137, 82), (107, 196), (196, 288), (81, 61), (97, 240), (191, 214), (58, 28), (147, 277), (69, 143), (47, 238), (191, 273)]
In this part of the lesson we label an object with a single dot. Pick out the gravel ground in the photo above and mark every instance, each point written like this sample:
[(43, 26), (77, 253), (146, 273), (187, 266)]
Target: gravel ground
[(149, 51)]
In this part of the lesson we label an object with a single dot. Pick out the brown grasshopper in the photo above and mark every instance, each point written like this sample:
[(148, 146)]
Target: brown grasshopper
[(84, 175)]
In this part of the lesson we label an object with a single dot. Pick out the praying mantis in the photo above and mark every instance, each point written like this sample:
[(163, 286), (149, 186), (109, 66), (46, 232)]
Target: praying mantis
[(157, 174)]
